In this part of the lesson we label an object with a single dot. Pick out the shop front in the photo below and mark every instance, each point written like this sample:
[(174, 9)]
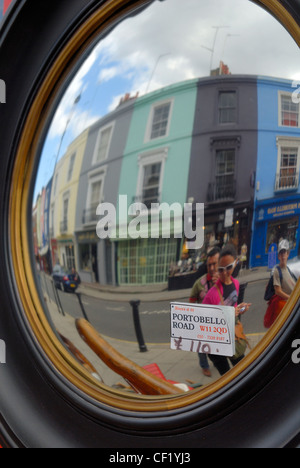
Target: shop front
[(87, 254), (65, 253), (275, 220), (229, 224), (146, 261)]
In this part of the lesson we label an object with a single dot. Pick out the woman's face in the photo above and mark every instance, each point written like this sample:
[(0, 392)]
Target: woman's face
[(226, 267)]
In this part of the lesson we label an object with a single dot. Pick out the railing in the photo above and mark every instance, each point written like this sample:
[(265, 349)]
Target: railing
[(221, 192), (287, 181), (89, 215), (148, 197), (64, 225)]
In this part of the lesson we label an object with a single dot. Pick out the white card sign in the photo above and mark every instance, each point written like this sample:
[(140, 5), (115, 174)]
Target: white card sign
[(203, 328)]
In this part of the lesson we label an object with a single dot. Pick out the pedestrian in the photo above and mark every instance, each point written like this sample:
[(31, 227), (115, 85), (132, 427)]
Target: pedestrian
[(225, 292), (199, 291), (284, 282), (76, 276)]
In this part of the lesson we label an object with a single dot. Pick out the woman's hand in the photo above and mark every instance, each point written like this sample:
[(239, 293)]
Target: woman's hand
[(242, 308)]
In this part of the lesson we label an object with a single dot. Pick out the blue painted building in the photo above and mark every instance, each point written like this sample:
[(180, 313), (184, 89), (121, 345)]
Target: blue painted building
[(277, 192)]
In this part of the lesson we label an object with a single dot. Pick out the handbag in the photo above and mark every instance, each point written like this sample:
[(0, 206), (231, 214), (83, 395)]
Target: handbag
[(241, 341), (275, 306)]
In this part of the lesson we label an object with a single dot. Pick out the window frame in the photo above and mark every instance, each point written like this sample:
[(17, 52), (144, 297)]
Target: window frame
[(222, 109), (146, 159), (149, 127), (287, 143), (282, 94), (111, 126)]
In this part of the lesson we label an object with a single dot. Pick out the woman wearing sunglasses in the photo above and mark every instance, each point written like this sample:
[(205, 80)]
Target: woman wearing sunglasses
[(226, 292)]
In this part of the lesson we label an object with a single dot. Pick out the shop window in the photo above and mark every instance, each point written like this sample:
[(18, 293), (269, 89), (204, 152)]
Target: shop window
[(88, 259), (227, 107), (288, 111), (146, 261), (283, 229), (70, 257)]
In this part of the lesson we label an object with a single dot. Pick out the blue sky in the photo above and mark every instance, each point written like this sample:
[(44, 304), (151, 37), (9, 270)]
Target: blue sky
[(168, 42)]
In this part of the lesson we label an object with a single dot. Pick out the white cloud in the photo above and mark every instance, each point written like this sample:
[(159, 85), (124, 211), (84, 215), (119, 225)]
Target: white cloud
[(168, 42), (69, 114), (169, 39)]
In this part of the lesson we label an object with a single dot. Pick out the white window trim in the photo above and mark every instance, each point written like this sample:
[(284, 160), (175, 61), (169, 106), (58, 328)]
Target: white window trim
[(93, 178), (151, 116), (66, 196), (280, 95), (287, 142), (145, 159), (110, 125), (70, 176), (227, 91)]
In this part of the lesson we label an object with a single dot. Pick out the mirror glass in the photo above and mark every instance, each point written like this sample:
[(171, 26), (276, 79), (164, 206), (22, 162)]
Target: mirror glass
[(192, 105)]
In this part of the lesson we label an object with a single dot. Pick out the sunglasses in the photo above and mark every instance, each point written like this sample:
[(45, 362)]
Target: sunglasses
[(227, 268)]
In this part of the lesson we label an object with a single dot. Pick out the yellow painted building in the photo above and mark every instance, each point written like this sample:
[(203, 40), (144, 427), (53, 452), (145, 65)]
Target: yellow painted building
[(64, 201)]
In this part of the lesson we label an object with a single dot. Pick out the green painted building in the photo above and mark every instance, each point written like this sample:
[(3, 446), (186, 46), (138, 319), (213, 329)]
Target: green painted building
[(155, 171)]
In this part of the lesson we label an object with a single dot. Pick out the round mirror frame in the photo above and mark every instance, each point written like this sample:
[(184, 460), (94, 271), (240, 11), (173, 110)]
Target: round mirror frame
[(131, 414)]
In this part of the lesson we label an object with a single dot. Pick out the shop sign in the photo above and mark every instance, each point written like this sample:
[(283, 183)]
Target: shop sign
[(228, 218), (87, 237), (203, 329), (273, 212)]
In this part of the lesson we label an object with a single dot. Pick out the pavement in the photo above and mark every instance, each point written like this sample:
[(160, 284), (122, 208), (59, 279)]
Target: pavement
[(177, 366), (160, 292)]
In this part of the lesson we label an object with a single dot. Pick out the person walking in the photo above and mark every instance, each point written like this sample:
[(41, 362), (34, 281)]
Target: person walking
[(199, 291), (225, 292), (284, 282)]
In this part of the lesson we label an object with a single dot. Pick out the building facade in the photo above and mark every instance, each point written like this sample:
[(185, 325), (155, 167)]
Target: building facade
[(277, 194), (63, 205), (99, 182), (230, 142), (155, 170), (224, 156)]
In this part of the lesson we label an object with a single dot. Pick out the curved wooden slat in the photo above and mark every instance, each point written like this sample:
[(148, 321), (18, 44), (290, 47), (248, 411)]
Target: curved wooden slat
[(140, 379), (80, 357)]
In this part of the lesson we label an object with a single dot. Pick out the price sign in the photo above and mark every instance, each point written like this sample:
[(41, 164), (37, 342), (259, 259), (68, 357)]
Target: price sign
[(203, 329)]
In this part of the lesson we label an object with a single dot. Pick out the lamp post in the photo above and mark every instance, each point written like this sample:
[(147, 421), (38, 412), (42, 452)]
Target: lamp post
[(77, 99)]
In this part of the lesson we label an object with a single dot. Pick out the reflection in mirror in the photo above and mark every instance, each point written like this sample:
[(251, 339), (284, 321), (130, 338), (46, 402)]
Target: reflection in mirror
[(202, 113)]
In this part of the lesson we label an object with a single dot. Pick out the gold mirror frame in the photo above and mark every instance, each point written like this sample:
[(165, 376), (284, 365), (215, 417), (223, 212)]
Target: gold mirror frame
[(54, 351)]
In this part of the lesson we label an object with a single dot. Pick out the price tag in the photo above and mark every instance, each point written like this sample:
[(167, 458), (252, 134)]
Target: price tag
[(203, 329)]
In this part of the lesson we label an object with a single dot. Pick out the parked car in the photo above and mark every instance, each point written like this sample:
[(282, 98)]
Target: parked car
[(66, 280)]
